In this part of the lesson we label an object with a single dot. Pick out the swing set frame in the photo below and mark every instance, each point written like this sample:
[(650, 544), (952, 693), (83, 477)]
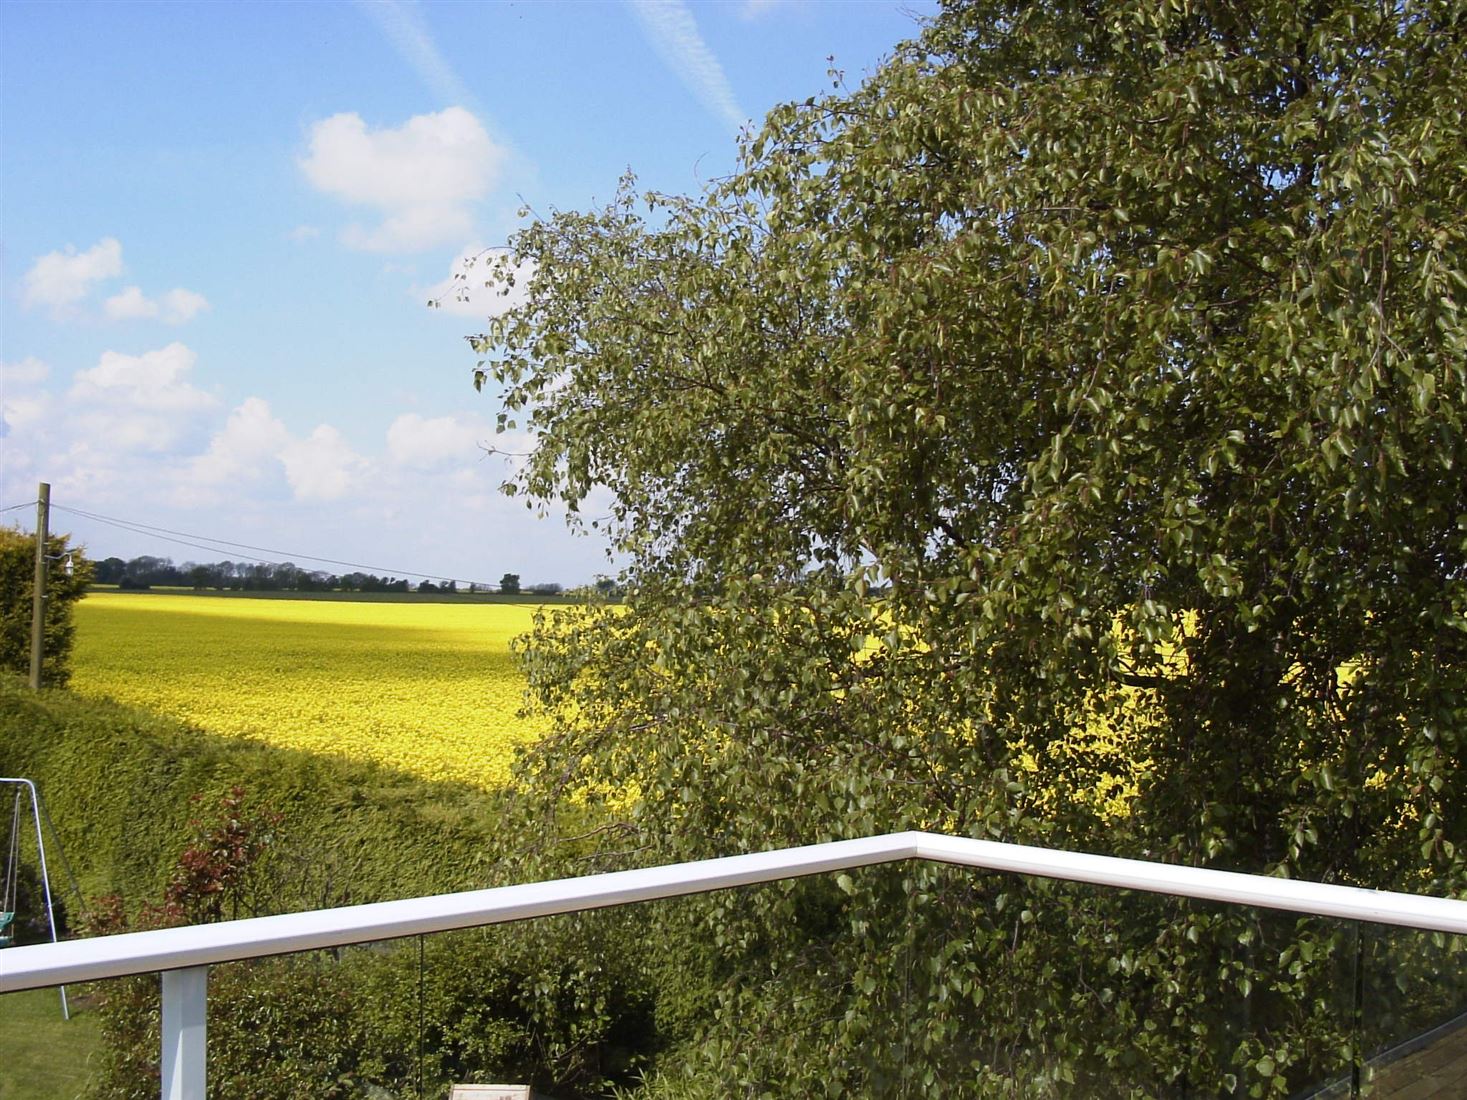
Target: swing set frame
[(12, 870)]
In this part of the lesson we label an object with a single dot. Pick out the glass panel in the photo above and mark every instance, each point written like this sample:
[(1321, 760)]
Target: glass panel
[(321, 1023), (1414, 1013), (721, 987), (562, 1004), (1060, 989), (900, 981), (477, 1020)]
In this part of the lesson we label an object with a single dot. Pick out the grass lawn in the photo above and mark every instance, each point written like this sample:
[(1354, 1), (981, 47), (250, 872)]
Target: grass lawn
[(42, 1056)]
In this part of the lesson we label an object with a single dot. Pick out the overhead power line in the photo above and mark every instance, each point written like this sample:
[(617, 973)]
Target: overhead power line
[(125, 526), (226, 546), (13, 507)]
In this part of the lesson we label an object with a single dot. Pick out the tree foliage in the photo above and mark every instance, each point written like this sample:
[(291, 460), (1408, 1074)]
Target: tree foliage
[(1058, 438), (17, 585)]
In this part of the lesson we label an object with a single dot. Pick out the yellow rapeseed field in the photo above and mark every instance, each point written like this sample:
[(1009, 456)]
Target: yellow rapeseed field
[(428, 688)]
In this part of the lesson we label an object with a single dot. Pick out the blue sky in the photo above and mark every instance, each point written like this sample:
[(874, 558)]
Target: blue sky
[(221, 224)]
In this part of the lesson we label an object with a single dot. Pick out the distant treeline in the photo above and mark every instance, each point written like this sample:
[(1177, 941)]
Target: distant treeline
[(147, 572)]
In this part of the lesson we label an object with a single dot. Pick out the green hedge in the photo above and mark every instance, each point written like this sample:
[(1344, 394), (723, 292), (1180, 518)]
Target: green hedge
[(567, 1003), (118, 783)]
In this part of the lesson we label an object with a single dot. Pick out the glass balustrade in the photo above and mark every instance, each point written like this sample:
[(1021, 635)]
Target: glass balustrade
[(901, 980), (1413, 1013)]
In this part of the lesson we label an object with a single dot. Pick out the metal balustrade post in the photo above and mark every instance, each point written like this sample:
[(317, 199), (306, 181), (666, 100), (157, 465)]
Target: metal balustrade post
[(185, 1039)]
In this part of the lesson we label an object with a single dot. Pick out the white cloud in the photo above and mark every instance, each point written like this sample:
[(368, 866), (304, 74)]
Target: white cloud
[(248, 479), (20, 410), (175, 307), (423, 176), (674, 33), (302, 233), (110, 436), (61, 279), (753, 9), (411, 230), (129, 304), (181, 305), (136, 437), (140, 402), (322, 466), (29, 371), (420, 443), (246, 446), (477, 287), (156, 379), (88, 469), (403, 25)]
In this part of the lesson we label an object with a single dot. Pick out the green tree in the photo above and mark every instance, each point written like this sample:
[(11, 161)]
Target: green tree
[(509, 584), (17, 585), (1058, 438)]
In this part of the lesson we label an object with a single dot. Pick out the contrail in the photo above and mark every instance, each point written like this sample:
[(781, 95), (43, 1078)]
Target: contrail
[(402, 23), (670, 26)]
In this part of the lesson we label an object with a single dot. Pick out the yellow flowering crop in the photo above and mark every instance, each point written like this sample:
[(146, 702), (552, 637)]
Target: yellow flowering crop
[(429, 688)]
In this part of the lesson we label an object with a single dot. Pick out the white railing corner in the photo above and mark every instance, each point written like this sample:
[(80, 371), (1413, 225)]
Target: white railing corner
[(183, 955)]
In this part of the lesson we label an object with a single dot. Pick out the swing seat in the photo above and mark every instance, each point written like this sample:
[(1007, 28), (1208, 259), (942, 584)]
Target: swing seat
[(6, 936)]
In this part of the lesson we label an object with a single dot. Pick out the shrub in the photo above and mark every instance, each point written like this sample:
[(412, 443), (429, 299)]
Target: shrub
[(17, 586)]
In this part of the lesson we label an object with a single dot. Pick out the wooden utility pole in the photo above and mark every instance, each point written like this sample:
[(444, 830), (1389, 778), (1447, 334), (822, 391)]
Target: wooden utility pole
[(38, 597)]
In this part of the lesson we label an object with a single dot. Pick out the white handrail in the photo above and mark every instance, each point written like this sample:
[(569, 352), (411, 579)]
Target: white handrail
[(41, 965)]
